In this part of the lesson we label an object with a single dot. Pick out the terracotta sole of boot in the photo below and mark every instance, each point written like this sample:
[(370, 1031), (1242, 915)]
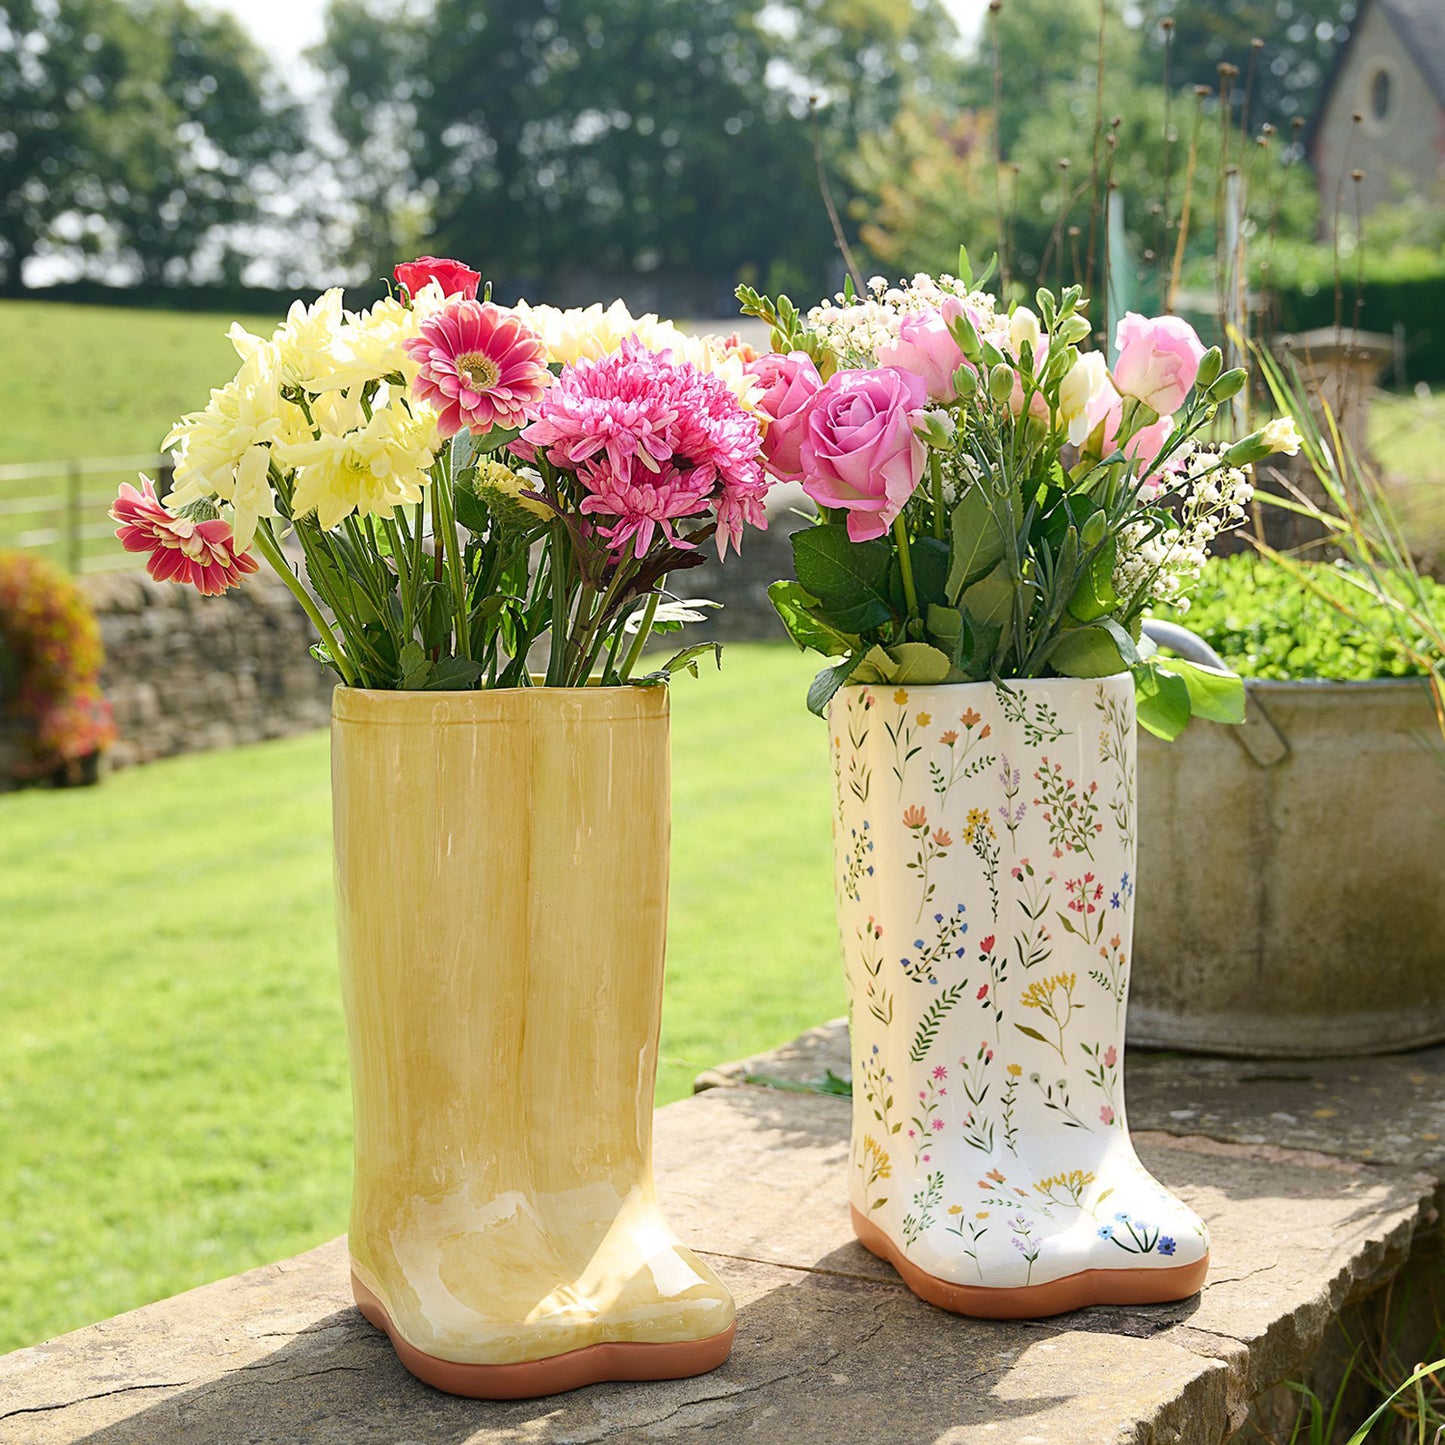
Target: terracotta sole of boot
[(529, 1379), (1037, 1301)]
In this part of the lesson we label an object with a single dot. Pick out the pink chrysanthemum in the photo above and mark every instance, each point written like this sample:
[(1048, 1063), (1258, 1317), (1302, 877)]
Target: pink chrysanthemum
[(646, 505), (651, 439), (481, 367), (202, 554)]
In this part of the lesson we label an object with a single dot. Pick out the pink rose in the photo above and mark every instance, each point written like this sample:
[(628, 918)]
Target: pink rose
[(926, 347), (1158, 360), (455, 279), (860, 451), (1145, 444), (789, 385)]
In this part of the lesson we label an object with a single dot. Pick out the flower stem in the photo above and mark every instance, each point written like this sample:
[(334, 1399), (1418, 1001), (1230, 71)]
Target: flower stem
[(905, 564), (268, 547), (935, 468), (444, 521), (635, 651)]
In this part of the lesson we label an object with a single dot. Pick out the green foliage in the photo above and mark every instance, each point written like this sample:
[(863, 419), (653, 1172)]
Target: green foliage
[(202, 968), (1263, 623), (145, 121), (644, 135)]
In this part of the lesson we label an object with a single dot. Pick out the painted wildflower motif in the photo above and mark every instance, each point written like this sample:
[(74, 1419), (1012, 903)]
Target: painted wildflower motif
[(994, 1050)]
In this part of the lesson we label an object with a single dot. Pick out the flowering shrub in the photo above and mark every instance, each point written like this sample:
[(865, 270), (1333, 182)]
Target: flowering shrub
[(994, 503), (50, 657), (464, 480)]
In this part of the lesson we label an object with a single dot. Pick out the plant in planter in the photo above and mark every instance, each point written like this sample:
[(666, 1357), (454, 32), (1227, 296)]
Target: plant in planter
[(997, 511), (54, 722), (465, 482), (1320, 819)]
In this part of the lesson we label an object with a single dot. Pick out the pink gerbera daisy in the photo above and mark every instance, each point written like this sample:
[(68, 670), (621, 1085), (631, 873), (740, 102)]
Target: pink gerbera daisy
[(481, 367), (202, 553)]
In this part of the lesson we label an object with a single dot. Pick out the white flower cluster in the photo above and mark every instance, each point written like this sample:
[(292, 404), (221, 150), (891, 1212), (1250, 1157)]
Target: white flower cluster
[(856, 329), (1162, 564)]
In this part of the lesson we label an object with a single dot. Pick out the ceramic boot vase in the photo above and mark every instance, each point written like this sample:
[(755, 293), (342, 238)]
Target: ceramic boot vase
[(985, 845), (501, 871)]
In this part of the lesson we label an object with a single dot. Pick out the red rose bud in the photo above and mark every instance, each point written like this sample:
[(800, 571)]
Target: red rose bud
[(454, 278)]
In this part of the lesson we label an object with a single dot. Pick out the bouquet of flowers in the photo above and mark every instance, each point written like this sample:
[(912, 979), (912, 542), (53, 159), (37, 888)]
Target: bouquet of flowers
[(993, 502), (463, 480)]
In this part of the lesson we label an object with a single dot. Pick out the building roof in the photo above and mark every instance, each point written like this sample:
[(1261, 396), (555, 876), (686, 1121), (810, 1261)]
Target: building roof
[(1420, 24)]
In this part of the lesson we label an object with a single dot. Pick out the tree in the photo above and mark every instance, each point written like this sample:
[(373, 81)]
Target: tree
[(129, 131), (630, 137)]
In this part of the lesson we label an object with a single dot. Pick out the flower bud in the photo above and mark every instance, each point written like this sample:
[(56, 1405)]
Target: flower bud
[(1001, 383), (965, 381), (1074, 329), (962, 328), (1210, 365), (1228, 385), (1248, 449), (1023, 329)]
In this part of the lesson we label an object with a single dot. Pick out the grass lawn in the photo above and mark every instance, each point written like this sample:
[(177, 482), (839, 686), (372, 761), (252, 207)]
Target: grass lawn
[(174, 1104), (1407, 435)]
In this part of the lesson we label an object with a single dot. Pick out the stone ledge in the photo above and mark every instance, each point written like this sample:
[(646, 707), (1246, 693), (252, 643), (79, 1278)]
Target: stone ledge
[(831, 1348)]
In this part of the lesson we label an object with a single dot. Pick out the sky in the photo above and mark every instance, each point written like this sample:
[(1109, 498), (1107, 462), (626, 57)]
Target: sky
[(287, 27)]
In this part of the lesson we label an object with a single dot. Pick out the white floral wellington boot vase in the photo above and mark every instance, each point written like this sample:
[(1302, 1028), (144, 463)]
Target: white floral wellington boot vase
[(985, 844)]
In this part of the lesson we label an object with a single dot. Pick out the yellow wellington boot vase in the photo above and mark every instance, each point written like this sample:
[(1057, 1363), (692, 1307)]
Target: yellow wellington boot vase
[(501, 870)]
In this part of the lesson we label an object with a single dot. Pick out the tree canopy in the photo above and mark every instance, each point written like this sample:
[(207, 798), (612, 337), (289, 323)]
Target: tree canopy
[(130, 132)]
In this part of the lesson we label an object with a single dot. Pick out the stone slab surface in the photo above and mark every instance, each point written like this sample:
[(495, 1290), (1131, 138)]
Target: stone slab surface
[(831, 1348), (1388, 1109)]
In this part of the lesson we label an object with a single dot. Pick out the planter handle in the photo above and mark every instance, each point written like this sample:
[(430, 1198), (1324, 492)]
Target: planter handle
[(1189, 645), (1257, 734)]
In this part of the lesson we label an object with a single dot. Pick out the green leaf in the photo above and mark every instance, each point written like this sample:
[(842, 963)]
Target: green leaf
[(827, 682), (496, 439), (453, 674), (796, 606), (415, 667), (471, 511), (849, 578), (915, 663), (1215, 695), (686, 660), (945, 623), (1031, 1033), (1095, 597), (931, 563), (1162, 700), (978, 540), (918, 664), (464, 447), (1092, 651), (990, 600)]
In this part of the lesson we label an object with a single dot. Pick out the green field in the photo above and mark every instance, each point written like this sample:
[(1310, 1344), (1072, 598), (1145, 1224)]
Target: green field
[(96, 382), (174, 1103)]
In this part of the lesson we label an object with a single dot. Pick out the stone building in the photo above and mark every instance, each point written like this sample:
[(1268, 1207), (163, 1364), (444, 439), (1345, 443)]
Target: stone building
[(1390, 72)]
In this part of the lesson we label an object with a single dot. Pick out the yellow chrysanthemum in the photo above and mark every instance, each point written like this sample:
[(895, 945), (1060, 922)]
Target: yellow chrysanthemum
[(374, 469), (590, 332), (224, 450), (492, 476)]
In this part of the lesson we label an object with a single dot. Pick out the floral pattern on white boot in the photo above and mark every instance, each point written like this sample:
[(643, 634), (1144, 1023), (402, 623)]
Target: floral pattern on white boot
[(985, 842)]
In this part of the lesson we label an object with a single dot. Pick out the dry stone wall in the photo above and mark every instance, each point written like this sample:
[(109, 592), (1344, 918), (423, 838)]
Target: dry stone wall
[(185, 672)]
